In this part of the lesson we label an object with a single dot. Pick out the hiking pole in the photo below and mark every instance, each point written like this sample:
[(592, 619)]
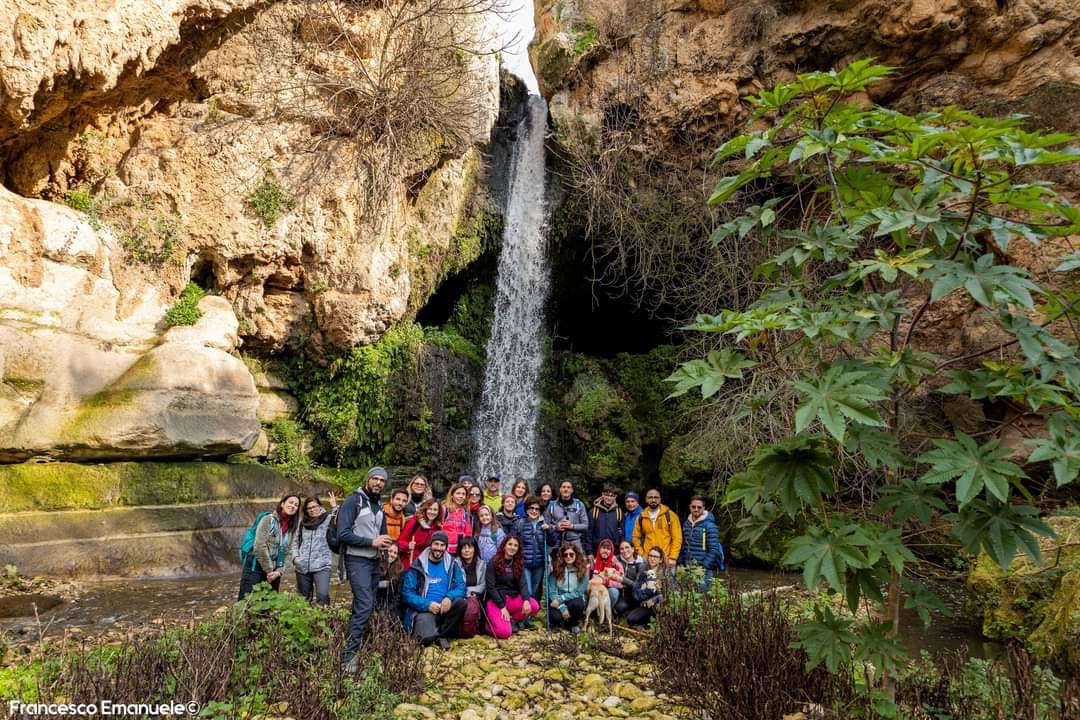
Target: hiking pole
[(547, 606)]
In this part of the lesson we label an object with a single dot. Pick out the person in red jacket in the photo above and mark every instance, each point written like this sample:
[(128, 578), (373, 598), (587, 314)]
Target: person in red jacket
[(416, 534)]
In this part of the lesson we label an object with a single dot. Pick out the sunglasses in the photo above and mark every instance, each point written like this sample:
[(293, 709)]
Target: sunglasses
[(569, 554), (475, 493)]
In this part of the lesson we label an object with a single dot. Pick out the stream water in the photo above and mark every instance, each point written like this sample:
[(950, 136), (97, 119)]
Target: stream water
[(111, 608)]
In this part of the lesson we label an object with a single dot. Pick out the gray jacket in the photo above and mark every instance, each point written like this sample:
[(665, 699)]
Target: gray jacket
[(269, 543), (310, 552), (359, 522), (577, 514), (481, 577)]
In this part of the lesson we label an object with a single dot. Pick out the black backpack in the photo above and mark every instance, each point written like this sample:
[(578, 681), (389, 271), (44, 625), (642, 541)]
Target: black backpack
[(331, 533)]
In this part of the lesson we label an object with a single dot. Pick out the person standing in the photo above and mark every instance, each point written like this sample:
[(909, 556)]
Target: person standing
[(311, 554), (566, 585), (606, 519), (520, 491), (659, 527), (633, 512), (434, 594), (545, 493), (417, 531), (532, 534), (701, 541), (395, 512), (419, 491), (264, 559), (361, 531), (508, 601), (569, 519), (492, 494)]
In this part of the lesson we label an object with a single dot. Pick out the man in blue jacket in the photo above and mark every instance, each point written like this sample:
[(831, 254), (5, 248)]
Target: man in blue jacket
[(361, 532), (633, 512), (568, 519), (701, 541), (434, 594)]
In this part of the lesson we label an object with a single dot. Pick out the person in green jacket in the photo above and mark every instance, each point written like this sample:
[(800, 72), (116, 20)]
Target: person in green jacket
[(566, 586), (266, 561)]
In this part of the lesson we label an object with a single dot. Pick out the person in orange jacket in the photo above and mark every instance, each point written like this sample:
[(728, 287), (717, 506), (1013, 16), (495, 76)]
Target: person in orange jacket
[(658, 526), (394, 511)]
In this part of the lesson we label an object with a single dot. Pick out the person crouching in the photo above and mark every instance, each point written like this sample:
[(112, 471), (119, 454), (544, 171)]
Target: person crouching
[(434, 594)]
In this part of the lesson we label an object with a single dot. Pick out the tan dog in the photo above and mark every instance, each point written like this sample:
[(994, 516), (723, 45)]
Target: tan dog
[(599, 601)]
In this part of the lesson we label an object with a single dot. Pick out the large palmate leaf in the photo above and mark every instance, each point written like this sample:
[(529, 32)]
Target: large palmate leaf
[(794, 471), (837, 396), (988, 284), (1001, 529), (709, 374), (919, 598), (909, 499), (972, 465), (1061, 449), (827, 639), (828, 554)]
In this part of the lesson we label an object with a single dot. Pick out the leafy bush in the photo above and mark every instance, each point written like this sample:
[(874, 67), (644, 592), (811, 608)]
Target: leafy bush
[(906, 214), (288, 453), (271, 654), (79, 199), (269, 199), (186, 309)]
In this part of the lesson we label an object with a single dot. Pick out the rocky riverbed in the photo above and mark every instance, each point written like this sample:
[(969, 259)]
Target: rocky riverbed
[(532, 675)]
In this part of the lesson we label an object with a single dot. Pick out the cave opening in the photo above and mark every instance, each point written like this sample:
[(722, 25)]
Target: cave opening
[(203, 275), (598, 318)]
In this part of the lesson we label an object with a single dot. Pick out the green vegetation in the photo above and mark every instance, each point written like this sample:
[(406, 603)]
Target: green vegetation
[(585, 38), (288, 454), (79, 199), (430, 265), (271, 654), (186, 309), (906, 214), (350, 404), (151, 236), (467, 330), (73, 486), (269, 200)]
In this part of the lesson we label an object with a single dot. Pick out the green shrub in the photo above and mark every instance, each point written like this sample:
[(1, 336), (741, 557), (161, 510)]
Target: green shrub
[(186, 310), (79, 199), (288, 454), (269, 199)]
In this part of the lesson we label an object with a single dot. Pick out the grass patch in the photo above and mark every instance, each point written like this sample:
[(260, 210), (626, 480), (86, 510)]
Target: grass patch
[(186, 310)]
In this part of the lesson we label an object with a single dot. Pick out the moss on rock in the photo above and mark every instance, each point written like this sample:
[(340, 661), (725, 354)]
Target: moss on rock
[(72, 486), (1038, 603)]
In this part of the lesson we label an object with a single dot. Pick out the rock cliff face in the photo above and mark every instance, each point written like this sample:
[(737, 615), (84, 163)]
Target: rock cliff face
[(207, 141), (192, 129), (686, 63)]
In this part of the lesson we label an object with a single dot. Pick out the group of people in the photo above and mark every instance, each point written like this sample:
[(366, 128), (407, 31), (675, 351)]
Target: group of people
[(479, 560)]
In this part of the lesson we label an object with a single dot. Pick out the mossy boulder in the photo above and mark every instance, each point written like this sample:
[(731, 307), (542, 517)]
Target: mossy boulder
[(600, 416), (1036, 602)]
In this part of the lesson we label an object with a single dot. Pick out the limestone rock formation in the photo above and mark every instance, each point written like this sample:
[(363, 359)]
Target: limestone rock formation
[(87, 372), (188, 128)]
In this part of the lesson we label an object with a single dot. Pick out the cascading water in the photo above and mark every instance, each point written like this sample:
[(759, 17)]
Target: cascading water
[(505, 427)]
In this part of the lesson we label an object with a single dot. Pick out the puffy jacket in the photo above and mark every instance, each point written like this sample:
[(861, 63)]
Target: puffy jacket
[(701, 543), (665, 532), (310, 553), (414, 588), (631, 571), (501, 585), (532, 543), (271, 548), (630, 525), (456, 523), (511, 524), (414, 530), (647, 587), (567, 587), (488, 543), (605, 524), (577, 514), (481, 577)]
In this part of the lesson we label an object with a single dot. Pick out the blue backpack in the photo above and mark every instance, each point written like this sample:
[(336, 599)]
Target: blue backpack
[(249, 537)]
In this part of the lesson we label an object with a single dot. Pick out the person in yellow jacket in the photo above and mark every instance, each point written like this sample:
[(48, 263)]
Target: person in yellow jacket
[(658, 526)]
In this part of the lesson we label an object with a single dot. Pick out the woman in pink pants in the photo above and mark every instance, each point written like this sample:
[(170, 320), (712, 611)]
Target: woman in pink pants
[(509, 606)]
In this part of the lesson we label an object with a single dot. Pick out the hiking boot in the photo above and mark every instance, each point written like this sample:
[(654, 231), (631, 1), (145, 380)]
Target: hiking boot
[(350, 666), (575, 630), (515, 626), (527, 625), (443, 643)]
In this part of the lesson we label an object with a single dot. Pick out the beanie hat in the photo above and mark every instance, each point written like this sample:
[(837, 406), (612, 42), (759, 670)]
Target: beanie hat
[(439, 536), (378, 472), (633, 495), (465, 478)]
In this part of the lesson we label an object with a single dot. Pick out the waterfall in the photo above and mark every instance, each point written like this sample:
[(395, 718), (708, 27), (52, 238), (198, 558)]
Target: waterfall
[(505, 425)]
